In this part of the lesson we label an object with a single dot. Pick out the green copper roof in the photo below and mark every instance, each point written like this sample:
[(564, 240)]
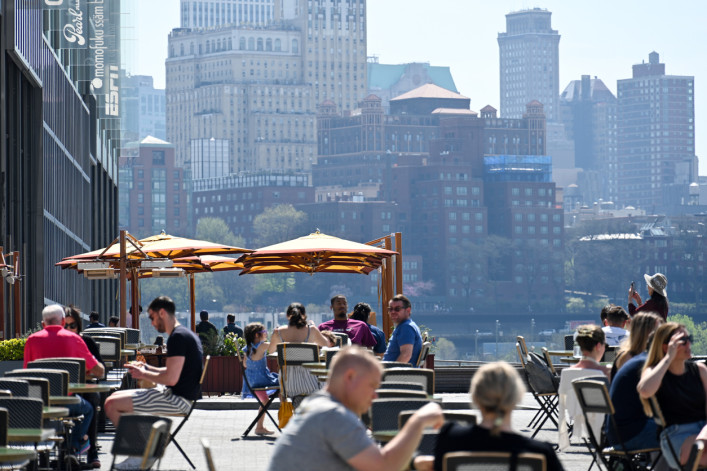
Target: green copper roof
[(384, 76)]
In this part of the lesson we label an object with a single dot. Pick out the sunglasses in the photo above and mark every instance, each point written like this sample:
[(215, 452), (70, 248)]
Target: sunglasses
[(684, 340), (396, 309), (70, 325)]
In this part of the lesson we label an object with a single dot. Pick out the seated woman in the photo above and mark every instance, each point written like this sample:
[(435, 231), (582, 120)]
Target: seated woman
[(496, 389), (679, 385), (298, 381), (641, 327), (259, 376), (592, 342)]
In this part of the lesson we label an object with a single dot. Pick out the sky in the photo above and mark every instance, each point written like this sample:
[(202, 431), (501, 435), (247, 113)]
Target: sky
[(601, 38)]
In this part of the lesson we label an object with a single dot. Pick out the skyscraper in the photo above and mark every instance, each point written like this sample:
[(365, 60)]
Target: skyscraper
[(529, 63), (655, 134), (259, 86), (210, 13)]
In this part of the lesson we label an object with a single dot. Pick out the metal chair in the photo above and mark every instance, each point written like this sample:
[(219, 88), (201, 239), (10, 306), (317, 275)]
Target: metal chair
[(401, 393), (548, 360), (569, 342), (485, 460), (543, 386), (593, 396), (424, 352), (80, 361), (109, 348), (142, 436), (38, 387), (292, 354), (428, 442), (76, 374), (207, 454), (17, 387), (329, 355), (58, 379), (394, 364), (384, 412), (263, 406), (133, 336), (185, 417), (412, 375), (659, 418), (12, 457), (344, 339)]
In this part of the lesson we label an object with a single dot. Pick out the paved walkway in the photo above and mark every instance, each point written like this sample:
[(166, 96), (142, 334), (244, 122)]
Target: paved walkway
[(223, 428)]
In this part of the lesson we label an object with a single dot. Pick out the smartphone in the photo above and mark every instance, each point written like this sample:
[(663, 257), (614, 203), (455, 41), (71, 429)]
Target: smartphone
[(633, 287)]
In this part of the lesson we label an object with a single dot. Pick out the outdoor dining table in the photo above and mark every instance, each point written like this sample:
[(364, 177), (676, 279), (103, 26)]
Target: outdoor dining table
[(385, 435), (63, 400), (53, 412), (13, 455), (78, 388), (29, 435)]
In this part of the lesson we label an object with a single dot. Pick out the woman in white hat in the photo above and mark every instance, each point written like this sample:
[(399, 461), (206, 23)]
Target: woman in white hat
[(658, 301)]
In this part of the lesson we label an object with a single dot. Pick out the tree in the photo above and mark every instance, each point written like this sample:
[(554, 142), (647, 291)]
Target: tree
[(278, 224), (445, 350), (216, 230), (698, 332)]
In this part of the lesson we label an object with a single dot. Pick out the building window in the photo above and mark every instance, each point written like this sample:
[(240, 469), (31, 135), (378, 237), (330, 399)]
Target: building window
[(157, 157)]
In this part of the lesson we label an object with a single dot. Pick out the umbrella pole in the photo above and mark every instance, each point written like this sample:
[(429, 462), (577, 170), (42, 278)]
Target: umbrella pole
[(135, 304), (399, 263), (123, 284), (387, 279), (192, 301)]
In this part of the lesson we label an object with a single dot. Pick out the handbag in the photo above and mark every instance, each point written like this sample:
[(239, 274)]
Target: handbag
[(286, 409)]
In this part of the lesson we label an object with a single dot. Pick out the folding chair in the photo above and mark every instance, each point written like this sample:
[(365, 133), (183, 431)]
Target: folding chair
[(428, 442), (569, 342), (610, 354), (548, 360), (207, 454), (424, 352), (263, 407), (142, 436), (292, 354), (412, 375), (109, 348), (18, 387), (329, 355), (387, 365), (38, 387), (543, 386), (384, 412), (593, 396), (401, 385), (657, 414), (485, 460), (400, 393), (185, 417), (58, 379), (345, 340)]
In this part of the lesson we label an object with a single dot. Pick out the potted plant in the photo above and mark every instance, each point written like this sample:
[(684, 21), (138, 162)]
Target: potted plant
[(224, 374), (12, 353)]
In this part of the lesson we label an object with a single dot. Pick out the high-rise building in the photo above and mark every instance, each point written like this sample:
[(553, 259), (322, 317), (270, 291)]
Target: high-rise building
[(59, 137), (144, 107), (588, 111), (210, 13), (655, 134), (529, 63), (259, 86)]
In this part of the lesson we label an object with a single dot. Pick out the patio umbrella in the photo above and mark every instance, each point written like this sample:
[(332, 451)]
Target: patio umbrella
[(315, 253), (160, 246)]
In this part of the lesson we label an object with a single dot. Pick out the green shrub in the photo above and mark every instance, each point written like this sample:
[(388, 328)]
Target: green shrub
[(12, 349)]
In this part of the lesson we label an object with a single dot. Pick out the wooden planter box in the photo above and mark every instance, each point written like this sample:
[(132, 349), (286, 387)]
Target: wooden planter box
[(224, 375)]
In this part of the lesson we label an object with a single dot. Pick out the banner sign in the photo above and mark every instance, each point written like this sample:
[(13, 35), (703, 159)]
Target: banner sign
[(73, 25)]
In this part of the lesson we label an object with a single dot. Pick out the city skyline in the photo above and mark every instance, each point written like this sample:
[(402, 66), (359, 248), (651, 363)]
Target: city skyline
[(603, 41)]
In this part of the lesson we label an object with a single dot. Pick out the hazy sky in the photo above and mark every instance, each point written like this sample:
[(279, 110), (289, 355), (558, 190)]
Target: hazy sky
[(600, 38)]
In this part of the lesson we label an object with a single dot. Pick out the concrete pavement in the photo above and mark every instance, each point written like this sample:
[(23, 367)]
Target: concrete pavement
[(227, 418)]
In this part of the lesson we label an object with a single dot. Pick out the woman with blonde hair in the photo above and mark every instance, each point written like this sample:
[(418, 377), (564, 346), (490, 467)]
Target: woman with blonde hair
[(641, 327), (496, 389), (679, 385)]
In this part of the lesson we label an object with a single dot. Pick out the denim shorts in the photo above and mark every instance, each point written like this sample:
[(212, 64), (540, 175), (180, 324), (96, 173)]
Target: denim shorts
[(677, 434)]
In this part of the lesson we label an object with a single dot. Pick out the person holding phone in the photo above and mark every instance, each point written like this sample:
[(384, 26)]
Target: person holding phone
[(658, 301), (679, 385)]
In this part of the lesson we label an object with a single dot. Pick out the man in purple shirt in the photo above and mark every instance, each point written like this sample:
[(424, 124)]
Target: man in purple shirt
[(358, 331)]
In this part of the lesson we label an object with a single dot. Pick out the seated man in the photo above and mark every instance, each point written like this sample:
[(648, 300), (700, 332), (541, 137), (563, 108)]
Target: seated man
[(55, 341), (406, 342), (616, 319), (231, 327), (326, 433), (358, 331), (95, 323), (181, 374)]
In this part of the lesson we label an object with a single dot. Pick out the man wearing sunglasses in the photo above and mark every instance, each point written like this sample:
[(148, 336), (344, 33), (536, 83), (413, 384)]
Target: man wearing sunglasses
[(406, 342)]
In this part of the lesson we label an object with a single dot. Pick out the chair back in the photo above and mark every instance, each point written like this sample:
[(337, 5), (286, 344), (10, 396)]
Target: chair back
[(384, 412), (119, 334), (80, 361), (485, 460), (16, 386), (412, 375), (394, 364), (656, 412), (343, 339), (297, 353), (24, 412), (693, 460), (133, 336), (593, 396), (58, 379), (76, 373), (329, 355), (203, 370), (610, 354), (144, 436), (401, 393), (548, 360), (523, 347), (402, 385), (424, 351), (569, 342), (109, 348), (207, 454), (38, 387), (523, 358), (4, 425)]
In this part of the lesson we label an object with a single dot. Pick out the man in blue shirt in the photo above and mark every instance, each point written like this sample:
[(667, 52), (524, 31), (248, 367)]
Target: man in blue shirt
[(406, 342)]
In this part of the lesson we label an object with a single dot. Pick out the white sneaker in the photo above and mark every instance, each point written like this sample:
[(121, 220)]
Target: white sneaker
[(131, 463)]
